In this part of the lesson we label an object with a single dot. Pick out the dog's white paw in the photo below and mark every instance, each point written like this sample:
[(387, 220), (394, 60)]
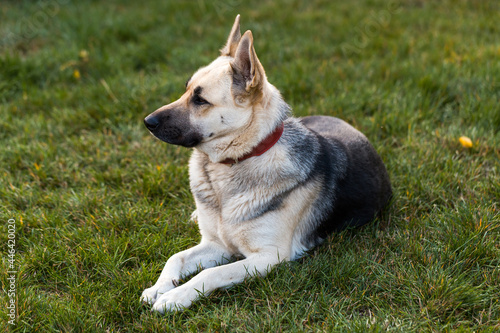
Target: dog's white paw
[(175, 300), (150, 295), (194, 216)]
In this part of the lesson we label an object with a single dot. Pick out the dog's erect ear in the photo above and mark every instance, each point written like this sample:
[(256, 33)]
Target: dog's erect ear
[(233, 39), (247, 69)]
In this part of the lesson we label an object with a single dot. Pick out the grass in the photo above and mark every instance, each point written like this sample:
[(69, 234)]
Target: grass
[(100, 205)]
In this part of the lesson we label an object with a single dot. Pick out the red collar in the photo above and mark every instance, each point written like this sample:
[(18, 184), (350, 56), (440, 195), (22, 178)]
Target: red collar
[(262, 147)]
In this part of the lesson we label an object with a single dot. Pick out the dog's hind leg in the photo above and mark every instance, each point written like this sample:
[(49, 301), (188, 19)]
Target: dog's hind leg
[(204, 255), (217, 277)]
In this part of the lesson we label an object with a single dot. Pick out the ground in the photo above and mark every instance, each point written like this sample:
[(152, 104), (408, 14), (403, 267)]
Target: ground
[(98, 204)]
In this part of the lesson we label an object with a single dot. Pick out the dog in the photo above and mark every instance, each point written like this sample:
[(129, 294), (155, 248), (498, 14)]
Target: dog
[(268, 187)]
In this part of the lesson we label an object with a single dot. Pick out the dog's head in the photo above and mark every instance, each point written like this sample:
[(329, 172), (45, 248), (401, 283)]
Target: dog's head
[(222, 111)]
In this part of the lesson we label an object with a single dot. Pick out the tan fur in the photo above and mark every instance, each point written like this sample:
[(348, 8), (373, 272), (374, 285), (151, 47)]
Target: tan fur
[(233, 39)]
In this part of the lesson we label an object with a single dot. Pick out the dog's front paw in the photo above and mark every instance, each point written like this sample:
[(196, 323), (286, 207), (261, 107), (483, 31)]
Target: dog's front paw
[(175, 300), (150, 295), (194, 216)]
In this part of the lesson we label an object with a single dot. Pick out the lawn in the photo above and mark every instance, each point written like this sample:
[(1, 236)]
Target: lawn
[(98, 204)]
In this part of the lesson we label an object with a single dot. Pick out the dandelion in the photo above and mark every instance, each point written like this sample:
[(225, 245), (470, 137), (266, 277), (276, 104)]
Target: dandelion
[(465, 141), (76, 74)]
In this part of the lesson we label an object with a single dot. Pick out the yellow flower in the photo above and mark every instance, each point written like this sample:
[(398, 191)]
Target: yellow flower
[(84, 55), (465, 141), (76, 74)]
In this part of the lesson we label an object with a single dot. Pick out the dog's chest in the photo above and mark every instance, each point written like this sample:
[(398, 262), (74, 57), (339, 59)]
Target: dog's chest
[(220, 177), (213, 187), (233, 202), (217, 188), (233, 194)]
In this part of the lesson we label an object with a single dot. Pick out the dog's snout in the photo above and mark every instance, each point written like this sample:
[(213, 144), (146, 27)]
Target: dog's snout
[(173, 126), (151, 122)]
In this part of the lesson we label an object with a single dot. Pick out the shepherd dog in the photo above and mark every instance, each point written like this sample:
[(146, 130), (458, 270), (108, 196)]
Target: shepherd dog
[(268, 187)]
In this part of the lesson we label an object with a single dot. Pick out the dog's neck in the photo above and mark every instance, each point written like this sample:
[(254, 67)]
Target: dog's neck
[(261, 148)]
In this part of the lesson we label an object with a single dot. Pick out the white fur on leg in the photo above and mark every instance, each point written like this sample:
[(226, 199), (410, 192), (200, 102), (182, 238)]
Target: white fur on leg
[(217, 277), (204, 255)]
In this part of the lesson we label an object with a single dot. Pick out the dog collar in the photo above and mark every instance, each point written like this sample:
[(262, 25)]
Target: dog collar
[(262, 147)]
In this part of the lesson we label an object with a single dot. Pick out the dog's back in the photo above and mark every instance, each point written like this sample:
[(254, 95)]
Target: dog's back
[(350, 180), (363, 188)]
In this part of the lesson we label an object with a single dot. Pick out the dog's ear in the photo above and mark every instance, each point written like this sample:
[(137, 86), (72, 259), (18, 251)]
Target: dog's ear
[(232, 41), (247, 69)]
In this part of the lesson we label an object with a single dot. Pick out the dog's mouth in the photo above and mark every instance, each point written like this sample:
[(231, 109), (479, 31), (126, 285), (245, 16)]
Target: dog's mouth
[(172, 134), (189, 142)]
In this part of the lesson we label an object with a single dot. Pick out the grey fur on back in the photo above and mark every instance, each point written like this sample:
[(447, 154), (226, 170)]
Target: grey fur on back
[(362, 189)]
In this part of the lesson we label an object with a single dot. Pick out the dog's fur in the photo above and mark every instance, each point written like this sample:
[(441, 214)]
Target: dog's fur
[(321, 176)]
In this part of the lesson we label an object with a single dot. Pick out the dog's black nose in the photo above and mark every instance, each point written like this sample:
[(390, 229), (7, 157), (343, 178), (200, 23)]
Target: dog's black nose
[(151, 122)]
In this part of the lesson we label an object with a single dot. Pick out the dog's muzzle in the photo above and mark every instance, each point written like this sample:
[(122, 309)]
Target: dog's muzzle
[(172, 128)]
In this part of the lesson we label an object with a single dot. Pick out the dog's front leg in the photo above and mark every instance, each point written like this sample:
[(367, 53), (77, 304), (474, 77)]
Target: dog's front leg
[(217, 277), (204, 255)]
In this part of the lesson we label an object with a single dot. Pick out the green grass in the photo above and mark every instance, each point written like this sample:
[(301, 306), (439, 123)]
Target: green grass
[(100, 205)]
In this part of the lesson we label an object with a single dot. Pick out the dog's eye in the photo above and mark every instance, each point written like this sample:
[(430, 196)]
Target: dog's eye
[(198, 100)]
